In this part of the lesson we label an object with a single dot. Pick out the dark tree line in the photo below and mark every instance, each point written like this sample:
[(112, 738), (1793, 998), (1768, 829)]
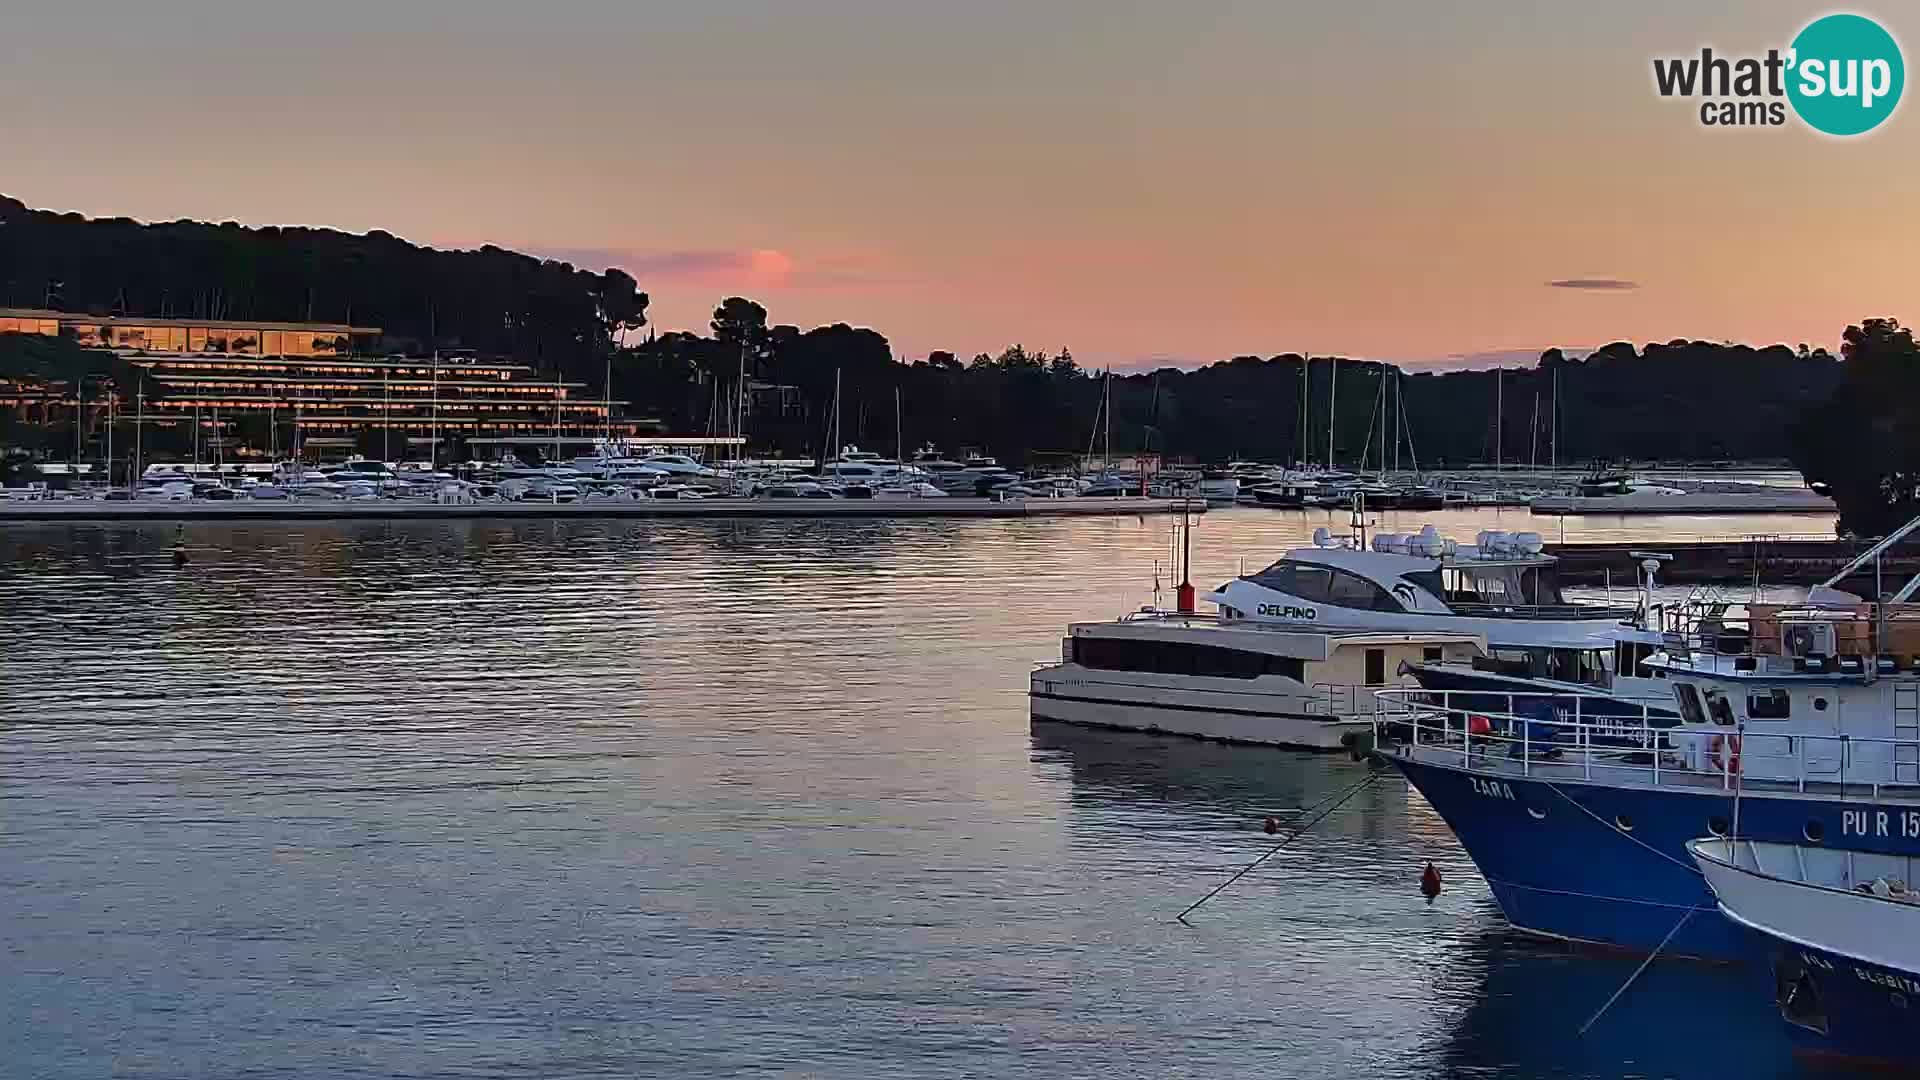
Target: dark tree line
[(1691, 400), (1862, 443), (495, 301)]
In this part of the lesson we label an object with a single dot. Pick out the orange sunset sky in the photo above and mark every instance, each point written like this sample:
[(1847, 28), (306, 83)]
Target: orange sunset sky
[(1142, 182)]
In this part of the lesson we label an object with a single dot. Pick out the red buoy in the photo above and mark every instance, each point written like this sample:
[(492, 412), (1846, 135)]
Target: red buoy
[(1430, 883), (1271, 827)]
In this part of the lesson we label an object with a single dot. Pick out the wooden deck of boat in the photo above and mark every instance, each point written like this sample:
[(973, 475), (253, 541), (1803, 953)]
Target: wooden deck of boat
[(63, 510)]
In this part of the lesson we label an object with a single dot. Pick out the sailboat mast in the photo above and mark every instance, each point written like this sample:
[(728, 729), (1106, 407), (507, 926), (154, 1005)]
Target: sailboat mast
[(1106, 457), (1533, 444), (899, 437), (1383, 417), (1333, 385), (836, 412), (1499, 407), (1300, 444), (740, 401), (1399, 417), (1553, 439)]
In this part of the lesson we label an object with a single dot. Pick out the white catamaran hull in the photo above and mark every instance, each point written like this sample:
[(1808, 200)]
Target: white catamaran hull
[(1270, 718)]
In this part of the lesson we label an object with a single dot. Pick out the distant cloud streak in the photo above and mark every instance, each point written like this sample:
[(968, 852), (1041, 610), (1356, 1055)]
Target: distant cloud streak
[(1597, 284), (725, 268)]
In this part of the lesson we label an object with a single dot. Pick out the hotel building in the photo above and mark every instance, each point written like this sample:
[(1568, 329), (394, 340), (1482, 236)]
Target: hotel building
[(248, 386)]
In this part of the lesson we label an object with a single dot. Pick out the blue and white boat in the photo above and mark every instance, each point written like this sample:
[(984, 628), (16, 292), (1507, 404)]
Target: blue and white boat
[(1837, 933), (1503, 589), (1580, 823)]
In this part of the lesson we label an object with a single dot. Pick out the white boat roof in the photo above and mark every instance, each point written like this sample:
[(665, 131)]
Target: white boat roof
[(1393, 565), (1281, 639)]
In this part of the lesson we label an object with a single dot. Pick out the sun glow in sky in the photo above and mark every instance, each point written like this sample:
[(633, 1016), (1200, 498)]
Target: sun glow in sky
[(1138, 181)]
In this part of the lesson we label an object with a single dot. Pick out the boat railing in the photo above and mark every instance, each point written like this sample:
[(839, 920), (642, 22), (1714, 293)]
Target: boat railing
[(1481, 610), (1563, 732), (1350, 700), (1157, 614)]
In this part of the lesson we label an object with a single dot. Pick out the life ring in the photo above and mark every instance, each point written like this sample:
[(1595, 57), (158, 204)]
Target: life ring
[(1730, 745)]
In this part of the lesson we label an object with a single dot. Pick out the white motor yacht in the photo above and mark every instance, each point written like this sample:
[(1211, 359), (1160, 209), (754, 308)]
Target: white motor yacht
[(678, 464), (1232, 680), (911, 489)]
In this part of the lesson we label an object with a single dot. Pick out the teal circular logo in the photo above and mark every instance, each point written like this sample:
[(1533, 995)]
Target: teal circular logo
[(1845, 74)]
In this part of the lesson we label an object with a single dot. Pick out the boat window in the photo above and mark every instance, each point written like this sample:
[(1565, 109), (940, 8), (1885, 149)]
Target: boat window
[(1353, 591), (1690, 709), (1376, 667), (1278, 577), (1428, 581), (1304, 580), (1181, 658), (1456, 586), (1539, 585), (1430, 654), (1584, 666), (1769, 705), (1502, 584), (1720, 708), (1563, 665), (1631, 657), (1520, 663), (1593, 668)]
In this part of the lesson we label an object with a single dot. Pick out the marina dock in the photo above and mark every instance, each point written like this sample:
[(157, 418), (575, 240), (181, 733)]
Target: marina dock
[(1755, 501), (1771, 560), (61, 510)]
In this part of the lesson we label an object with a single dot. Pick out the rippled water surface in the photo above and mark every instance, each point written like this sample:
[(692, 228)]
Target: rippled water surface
[(706, 799)]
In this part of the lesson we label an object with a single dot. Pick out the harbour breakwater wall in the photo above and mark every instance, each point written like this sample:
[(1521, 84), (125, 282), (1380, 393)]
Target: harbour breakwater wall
[(1772, 561)]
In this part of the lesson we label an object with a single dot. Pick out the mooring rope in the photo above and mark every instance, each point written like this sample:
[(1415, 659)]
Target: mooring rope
[(1312, 816), (1644, 964)]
